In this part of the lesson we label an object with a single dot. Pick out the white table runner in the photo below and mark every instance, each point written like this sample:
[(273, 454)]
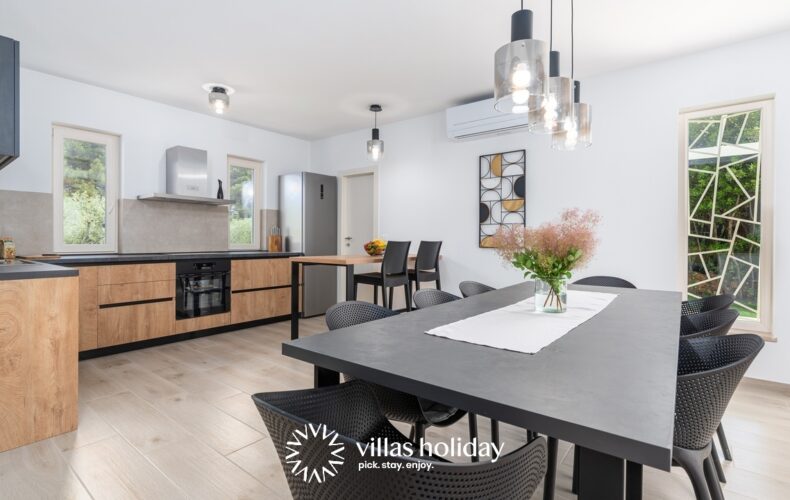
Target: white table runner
[(518, 327)]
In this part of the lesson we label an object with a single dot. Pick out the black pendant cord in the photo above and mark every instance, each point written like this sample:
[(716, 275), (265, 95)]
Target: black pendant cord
[(551, 25), (572, 47)]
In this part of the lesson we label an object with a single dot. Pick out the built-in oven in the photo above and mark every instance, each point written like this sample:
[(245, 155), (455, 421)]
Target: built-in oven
[(202, 288)]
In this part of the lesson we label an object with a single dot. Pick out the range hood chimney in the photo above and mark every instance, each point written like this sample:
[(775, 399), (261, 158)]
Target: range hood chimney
[(186, 171)]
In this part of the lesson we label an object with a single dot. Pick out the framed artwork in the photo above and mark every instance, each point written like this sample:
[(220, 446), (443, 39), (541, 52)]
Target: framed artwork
[(502, 188)]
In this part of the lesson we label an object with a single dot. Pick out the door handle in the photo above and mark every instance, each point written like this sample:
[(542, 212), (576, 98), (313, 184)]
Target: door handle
[(347, 238)]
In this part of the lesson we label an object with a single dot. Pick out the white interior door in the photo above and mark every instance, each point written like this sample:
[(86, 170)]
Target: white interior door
[(358, 216)]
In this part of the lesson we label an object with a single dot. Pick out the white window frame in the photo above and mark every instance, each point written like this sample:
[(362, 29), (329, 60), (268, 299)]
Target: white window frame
[(112, 143), (765, 104), (257, 181)]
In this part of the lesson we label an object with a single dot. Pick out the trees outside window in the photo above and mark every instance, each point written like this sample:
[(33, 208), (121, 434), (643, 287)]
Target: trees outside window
[(244, 179)]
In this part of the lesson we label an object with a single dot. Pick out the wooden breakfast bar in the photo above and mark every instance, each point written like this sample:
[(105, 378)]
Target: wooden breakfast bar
[(347, 261)]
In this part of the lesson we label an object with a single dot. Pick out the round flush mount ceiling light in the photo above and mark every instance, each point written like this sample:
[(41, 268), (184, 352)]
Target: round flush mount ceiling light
[(218, 96)]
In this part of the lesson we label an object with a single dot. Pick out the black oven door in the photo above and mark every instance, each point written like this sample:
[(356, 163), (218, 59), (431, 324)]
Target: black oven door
[(202, 293)]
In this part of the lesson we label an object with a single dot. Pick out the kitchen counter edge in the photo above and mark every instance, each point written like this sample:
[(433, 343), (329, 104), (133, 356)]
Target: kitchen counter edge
[(109, 259), (29, 270)]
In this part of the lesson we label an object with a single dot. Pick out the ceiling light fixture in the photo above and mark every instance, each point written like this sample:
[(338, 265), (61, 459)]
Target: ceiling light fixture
[(218, 96), (520, 68), (558, 102), (375, 145), (576, 130)]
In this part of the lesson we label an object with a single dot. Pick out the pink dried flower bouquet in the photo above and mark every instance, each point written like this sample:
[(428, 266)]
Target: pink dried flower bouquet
[(552, 250)]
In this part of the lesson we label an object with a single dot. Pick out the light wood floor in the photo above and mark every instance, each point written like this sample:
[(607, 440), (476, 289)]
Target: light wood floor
[(176, 421)]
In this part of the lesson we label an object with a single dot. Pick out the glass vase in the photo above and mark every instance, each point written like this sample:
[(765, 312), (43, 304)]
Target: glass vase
[(551, 298)]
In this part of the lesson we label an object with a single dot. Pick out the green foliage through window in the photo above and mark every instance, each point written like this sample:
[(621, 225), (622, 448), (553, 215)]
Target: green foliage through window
[(242, 212), (84, 192)]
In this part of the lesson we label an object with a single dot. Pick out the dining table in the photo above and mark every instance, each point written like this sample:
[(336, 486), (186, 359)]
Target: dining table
[(607, 385), (346, 261)]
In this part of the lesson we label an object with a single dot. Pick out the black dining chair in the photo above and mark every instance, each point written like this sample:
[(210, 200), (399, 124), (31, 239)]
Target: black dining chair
[(418, 412), (429, 297), (612, 281), (469, 288), (709, 371), (707, 324), (706, 304), (394, 273), (350, 410), (426, 265)]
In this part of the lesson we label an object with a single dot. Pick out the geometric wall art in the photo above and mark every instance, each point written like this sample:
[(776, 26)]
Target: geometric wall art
[(502, 187), (724, 216)]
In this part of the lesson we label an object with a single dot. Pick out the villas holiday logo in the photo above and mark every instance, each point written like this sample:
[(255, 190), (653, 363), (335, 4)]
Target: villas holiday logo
[(314, 436)]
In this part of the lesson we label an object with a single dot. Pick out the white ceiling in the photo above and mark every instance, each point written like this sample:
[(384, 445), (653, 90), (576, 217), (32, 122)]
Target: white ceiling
[(310, 68)]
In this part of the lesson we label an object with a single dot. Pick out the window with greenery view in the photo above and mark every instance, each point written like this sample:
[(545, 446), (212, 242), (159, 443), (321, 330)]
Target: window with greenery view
[(242, 188), (86, 174), (726, 231)]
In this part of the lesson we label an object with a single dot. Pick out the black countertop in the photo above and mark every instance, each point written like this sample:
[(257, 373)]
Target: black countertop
[(120, 258), (28, 270)]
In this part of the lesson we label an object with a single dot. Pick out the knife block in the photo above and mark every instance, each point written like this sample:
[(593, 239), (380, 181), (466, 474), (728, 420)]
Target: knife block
[(275, 243)]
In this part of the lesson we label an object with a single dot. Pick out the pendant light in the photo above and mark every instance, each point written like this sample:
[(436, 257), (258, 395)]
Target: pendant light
[(558, 101), (375, 145), (576, 132), (520, 68)]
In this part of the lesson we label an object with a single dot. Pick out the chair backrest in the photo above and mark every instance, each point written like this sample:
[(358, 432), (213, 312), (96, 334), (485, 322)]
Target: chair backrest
[(353, 312), (428, 297), (428, 255), (612, 281), (396, 257), (705, 304), (708, 324), (709, 371), (469, 288), (351, 411)]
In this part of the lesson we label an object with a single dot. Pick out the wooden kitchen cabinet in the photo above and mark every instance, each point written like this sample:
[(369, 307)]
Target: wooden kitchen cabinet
[(253, 274), (136, 292), (89, 308), (260, 304), (136, 273), (132, 323)]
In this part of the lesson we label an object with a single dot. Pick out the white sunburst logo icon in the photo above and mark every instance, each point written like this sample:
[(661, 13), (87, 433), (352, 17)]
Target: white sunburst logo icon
[(334, 452)]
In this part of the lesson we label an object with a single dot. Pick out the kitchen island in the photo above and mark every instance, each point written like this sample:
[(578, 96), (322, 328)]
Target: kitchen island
[(39, 333)]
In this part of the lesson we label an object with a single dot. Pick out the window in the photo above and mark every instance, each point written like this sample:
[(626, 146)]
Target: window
[(85, 190), (244, 189), (727, 206)]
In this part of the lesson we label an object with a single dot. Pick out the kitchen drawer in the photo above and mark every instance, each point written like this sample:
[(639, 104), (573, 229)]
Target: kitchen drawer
[(89, 307), (202, 323), (136, 273), (250, 274), (124, 324), (136, 292), (260, 304)]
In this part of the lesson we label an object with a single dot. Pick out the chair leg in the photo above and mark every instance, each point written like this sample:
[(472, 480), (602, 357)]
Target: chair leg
[(551, 470), (495, 431), (473, 432), (407, 293), (419, 431), (575, 482), (725, 446), (376, 295), (384, 297), (713, 480), (714, 455), (438, 283), (392, 297), (417, 284), (693, 462), (356, 289)]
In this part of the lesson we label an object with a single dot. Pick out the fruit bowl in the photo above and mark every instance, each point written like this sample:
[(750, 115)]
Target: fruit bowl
[(375, 247)]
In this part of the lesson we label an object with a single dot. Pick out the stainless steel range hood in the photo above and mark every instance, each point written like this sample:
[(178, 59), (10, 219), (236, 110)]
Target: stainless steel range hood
[(186, 178)]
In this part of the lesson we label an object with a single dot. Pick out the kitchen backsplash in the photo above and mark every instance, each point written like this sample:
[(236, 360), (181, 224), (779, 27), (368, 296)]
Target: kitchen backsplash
[(27, 217)]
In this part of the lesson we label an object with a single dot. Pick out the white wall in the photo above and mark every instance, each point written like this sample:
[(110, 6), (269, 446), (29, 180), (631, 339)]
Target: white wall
[(429, 185), (147, 129)]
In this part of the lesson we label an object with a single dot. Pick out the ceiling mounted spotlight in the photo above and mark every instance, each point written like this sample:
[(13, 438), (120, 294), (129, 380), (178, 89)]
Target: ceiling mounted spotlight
[(218, 96), (375, 145)]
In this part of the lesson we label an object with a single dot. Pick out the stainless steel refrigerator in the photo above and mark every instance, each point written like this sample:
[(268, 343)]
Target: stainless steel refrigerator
[(308, 216)]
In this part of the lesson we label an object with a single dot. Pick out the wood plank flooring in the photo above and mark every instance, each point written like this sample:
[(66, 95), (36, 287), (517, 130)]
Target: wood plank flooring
[(176, 421)]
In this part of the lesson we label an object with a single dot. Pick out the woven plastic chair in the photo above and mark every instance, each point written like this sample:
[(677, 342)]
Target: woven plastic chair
[(707, 324), (712, 303), (350, 410), (709, 371), (469, 288), (611, 281), (395, 405), (428, 297)]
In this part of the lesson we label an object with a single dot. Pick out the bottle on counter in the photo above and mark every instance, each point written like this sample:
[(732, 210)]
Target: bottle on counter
[(7, 248)]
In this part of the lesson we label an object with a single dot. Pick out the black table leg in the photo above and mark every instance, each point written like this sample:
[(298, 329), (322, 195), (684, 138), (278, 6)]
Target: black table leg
[(551, 470), (600, 476), (294, 300), (323, 377), (350, 282), (633, 481)]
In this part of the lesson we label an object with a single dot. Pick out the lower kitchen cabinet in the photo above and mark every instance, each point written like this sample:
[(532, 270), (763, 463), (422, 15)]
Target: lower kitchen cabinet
[(131, 323), (89, 307), (259, 304)]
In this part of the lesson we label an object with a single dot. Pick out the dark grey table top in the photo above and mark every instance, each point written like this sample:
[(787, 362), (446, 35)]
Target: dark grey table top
[(129, 258), (27, 270), (608, 384)]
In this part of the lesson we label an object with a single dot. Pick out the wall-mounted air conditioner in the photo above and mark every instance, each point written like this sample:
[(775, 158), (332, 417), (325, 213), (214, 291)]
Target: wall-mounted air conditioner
[(477, 119)]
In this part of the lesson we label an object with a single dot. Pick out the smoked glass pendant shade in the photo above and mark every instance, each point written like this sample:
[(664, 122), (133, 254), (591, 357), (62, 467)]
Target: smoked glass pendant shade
[(520, 68), (576, 130), (555, 107)]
